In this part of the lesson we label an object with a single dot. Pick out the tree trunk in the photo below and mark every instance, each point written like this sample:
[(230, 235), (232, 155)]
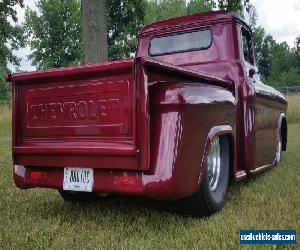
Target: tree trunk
[(94, 27)]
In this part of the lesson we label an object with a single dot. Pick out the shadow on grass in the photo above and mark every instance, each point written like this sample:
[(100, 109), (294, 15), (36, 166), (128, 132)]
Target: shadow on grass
[(113, 205), (236, 188)]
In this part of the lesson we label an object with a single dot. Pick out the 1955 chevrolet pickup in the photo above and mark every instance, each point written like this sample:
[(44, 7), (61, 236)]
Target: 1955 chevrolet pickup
[(178, 122)]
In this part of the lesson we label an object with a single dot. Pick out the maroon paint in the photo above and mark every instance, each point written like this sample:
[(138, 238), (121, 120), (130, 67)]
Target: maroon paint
[(146, 125)]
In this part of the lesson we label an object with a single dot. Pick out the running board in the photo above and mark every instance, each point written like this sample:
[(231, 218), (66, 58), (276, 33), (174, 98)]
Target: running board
[(240, 175), (261, 169)]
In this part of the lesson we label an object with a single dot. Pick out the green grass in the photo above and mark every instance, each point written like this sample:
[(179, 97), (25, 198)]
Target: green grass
[(293, 114), (38, 218)]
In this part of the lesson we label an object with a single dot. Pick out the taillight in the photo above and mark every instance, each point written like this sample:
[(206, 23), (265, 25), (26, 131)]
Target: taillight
[(124, 181), (38, 175)]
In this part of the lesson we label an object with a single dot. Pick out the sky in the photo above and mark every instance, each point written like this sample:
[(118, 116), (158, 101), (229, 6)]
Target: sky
[(280, 18)]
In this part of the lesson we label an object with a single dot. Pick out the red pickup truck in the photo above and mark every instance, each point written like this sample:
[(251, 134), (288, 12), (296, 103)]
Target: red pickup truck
[(188, 114)]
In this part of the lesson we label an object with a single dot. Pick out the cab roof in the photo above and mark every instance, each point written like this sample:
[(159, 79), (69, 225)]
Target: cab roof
[(205, 17)]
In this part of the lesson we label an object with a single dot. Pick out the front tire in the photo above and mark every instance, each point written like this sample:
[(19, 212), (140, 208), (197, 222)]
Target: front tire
[(210, 197)]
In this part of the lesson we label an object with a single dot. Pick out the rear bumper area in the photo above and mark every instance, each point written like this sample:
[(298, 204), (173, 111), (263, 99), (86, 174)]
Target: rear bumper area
[(106, 181)]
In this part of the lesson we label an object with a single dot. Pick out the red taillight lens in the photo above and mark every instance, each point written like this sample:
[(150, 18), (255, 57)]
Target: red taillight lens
[(38, 175), (124, 181)]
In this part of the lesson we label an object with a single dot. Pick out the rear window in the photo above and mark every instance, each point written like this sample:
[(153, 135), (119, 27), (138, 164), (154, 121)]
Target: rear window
[(180, 42)]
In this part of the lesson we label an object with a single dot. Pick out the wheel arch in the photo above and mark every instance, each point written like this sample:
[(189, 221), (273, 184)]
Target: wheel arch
[(225, 130)]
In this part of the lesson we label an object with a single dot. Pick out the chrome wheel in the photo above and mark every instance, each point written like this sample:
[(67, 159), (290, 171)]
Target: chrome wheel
[(214, 164), (210, 196), (278, 150)]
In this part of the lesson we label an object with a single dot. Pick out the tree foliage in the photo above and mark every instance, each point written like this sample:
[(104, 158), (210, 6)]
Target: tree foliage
[(235, 5), (10, 35), (195, 6), (297, 51), (283, 61), (163, 9), (125, 19), (263, 46), (54, 33), (283, 66), (5, 94), (10, 39)]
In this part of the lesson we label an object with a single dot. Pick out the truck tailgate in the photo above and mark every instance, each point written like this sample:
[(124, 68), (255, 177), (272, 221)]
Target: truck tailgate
[(79, 116)]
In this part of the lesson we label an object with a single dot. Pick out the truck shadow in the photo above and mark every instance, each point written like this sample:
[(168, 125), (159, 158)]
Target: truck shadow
[(128, 209), (236, 188)]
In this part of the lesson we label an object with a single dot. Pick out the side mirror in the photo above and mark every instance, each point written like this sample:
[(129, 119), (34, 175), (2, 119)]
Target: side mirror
[(252, 72)]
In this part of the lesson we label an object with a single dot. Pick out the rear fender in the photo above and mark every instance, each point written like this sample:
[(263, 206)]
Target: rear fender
[(184, 118)]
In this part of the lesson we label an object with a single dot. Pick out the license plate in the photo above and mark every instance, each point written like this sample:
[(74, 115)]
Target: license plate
[(78, 179)]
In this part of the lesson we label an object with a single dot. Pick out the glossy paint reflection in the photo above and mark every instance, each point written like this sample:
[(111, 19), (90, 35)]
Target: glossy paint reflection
[(169, 139)]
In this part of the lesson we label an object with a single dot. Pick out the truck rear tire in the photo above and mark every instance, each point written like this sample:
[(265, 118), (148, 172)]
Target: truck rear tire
[(70, 196), (210, 197)]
